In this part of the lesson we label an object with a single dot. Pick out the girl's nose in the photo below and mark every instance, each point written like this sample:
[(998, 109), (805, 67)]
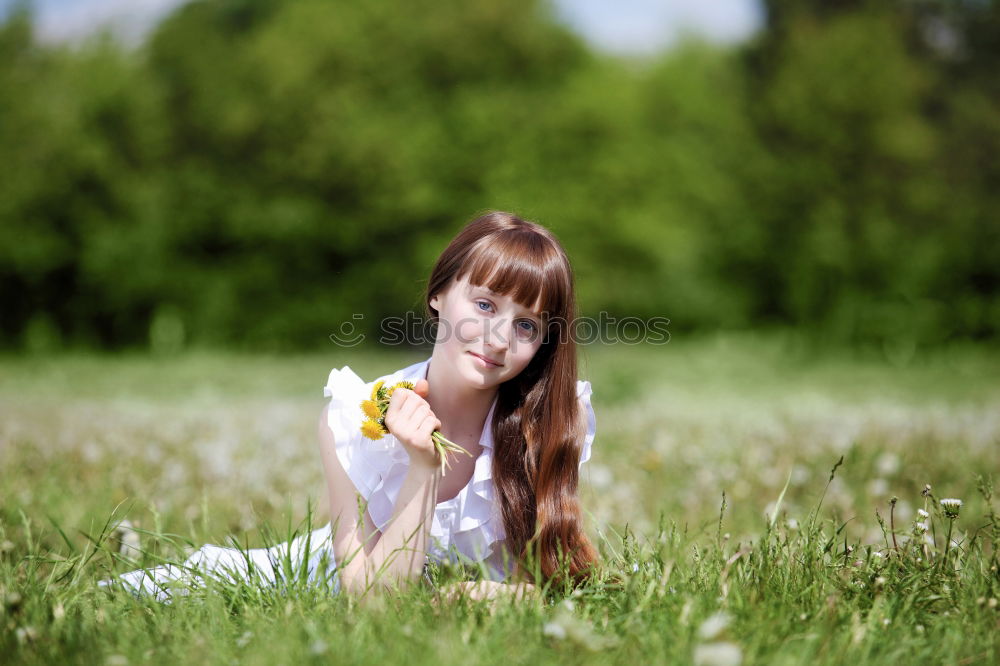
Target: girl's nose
[(497, 334)]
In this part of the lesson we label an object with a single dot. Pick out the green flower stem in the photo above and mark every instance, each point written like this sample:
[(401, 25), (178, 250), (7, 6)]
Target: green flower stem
[(443, 447), (947, 545)]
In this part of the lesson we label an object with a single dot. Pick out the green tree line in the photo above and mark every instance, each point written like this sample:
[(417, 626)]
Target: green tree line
[(258, 171)]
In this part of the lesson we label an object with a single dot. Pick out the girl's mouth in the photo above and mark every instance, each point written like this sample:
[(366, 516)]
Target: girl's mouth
[(486, 362)]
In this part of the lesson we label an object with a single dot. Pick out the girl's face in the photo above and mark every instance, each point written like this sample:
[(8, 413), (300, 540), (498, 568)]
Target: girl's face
[(476, 327)]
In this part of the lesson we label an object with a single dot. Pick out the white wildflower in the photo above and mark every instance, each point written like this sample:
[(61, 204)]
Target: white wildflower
[(923, 514), (713, 626), (127, 540), (920, 528), (26, 635), (721, 653), (951, 507), (601, 476), (564, 625), (685, 610), (554, 630), (887, 464), (878, 487)]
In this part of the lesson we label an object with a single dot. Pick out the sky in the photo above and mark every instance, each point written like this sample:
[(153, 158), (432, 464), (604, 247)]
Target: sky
[(628, 27)]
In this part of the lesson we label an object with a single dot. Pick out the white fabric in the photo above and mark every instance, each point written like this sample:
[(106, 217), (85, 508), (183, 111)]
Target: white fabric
[(470, 521), (466, 528), (270, 566)]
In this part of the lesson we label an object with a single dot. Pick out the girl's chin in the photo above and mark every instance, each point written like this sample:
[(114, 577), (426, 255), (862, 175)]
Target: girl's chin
[(479, 376)]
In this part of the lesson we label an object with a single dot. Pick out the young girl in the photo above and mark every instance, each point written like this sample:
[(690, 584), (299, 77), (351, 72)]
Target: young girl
[(501, 382)]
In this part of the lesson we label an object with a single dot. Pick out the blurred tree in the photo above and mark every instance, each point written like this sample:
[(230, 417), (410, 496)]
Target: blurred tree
[(80, 139), (956, 41), (860, 200), (318, 144), (257, 172)]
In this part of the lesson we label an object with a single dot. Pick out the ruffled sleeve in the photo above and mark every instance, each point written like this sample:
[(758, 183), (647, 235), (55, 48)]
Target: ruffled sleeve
[(365, 461), (583, 393), (376, 468)]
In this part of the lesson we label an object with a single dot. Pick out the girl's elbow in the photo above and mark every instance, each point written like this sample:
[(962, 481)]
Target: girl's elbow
[(356, 584), (360, 581), (323, 431)]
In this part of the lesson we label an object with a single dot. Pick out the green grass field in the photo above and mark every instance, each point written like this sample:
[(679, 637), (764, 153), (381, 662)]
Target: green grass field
[(195, 448)]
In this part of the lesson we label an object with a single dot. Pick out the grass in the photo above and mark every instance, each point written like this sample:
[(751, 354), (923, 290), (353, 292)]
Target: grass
[(710, 492)]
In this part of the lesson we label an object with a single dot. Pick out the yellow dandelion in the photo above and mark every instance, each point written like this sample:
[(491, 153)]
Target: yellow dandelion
[(373, 427), (406, 385), (370, 408), (372, 430)]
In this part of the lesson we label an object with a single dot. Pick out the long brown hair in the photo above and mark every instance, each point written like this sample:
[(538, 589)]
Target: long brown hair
[(537, 425)]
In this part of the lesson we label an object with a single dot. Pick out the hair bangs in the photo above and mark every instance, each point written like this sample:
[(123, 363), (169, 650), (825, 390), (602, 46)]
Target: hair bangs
[(522, 266)]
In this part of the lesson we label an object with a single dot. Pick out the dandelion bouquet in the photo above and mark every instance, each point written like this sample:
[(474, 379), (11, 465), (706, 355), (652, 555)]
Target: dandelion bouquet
[(374, 426)]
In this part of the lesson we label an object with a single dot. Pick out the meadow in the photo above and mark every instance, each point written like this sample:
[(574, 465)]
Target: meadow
[(756, 499)]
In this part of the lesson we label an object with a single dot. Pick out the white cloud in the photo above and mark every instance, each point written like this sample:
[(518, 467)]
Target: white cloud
[(637, 27), (69, 20), (617, 26)]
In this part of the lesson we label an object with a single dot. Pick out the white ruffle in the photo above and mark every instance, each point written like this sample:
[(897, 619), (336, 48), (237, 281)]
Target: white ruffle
[(583, 392), (364, 460), (466, 527)]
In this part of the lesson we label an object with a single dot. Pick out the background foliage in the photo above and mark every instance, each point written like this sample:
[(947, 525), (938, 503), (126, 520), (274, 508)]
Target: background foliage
[(256, 172)]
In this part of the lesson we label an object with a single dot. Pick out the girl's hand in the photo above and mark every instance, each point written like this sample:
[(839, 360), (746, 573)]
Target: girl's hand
[(486, 590), (411, 421)]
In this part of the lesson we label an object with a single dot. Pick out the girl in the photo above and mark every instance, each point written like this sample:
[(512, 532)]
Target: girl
[(500, 382)]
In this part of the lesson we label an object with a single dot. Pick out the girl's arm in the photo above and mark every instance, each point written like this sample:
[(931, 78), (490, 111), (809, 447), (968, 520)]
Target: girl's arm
[(366, 556), (488, 590)]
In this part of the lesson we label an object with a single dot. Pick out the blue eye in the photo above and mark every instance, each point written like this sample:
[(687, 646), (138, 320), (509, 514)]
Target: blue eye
[(531, 328)]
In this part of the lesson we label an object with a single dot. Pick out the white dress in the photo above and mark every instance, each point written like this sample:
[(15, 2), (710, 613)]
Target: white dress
[(466, 529)]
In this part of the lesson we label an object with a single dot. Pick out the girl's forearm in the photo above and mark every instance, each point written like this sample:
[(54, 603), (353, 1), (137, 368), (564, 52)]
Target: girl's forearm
[(489, 590), (398, 556), (519, 591)]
